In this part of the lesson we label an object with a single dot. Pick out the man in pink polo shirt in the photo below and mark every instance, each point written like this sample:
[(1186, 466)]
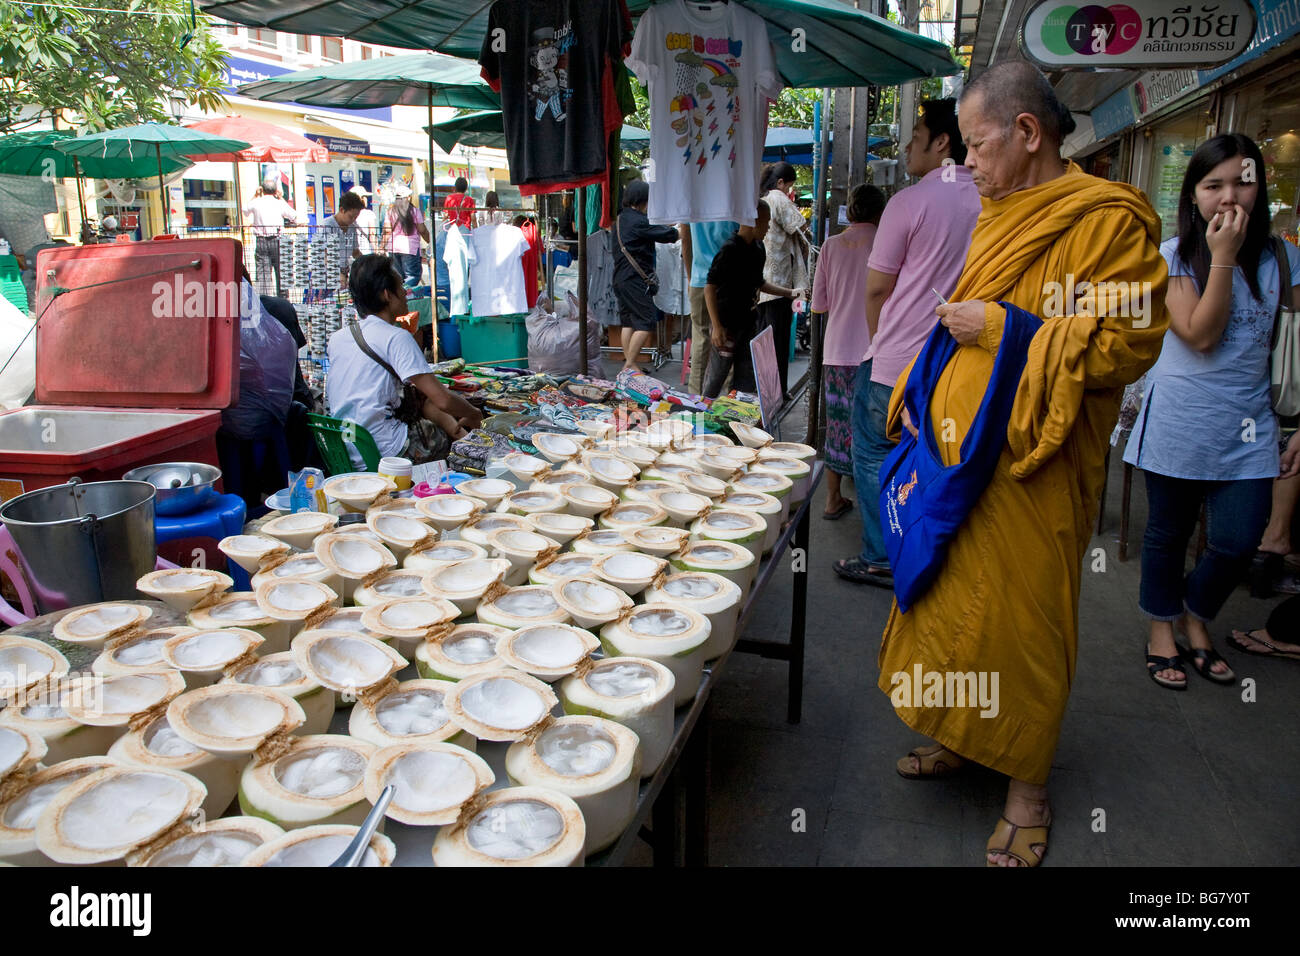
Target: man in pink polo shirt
[(920, 246)]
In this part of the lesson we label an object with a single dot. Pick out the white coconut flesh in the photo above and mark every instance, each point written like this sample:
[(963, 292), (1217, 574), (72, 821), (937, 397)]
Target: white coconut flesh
[(346, 662), (793, 449), (442, 554), (576, 750), (96, 624), (300, 524), (635, 692), (559, 527), (111, 812), (657, 541), (564, 566), (629, 567), (353, 557), (530, 604), (446, 509), (394, 584), (681, 505), (41, 706), (499, 705), (24, 662), (592, 602), (247, 550), (486, 488), (531, 502), (357, 488), (473, 646), (321, 773), (468, 577), (210, 650), (737, 454), (547, 650), (525, 466), (232, 718), (237, 610), (602, 542), (225, 842), (294, 599), (39, 711), (555, 447), (730, 523), (468, 650), (395, 527), (790, 467), (433, 781), (658, 623), (144, 651), (405, 616), (182, 588), (319, 846), (18, 817), (160, 739), (719, 466), (712, 595), (516, 830), (113, 700), (411, 713), (558, 479), (675, 637), (633, 515), (610, 469), (522, 825), (622, 679), (479, 530), (18, 749), (706, 485)]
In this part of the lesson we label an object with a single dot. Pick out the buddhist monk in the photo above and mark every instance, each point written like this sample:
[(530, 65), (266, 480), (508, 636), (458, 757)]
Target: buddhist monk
[(1081, 254)]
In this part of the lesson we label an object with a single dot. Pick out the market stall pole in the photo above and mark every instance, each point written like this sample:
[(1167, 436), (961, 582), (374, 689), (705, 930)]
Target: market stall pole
[(582, 280)]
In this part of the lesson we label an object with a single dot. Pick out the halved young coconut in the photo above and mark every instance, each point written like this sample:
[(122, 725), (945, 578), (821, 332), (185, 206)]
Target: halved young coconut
[(302, 565), (632, 691), (557, 478), (182, 588), (521, 550), (556, 447), (19, 812), (360, 530), (766, 483), (318, 780), (357, 493), (249, 550), (37, 710), (532, 502), (644, 489), (157, 746), (673, 636), (595, 430), (320, 845), (733, 561), (95, 625), (24, 662), (687, 458), (745, 528), (478, 530), (587, 500), (557, 567), (639, 455), (411, 712), (301, 529), (203, 656), (630, 571), (500, 705), (407, 622), (659, 542), (442, 554), (433, 781), (706, 485), (352, 665), (676, 474), (345, 619), (625, 517), (401, 508), (681, 506), (594, 761), (791, 449), (120, 699), (464, 583), (706, 440), (522, 606), (20, 752), (765, 506), (547, 651), (799, 472), (352, 558), (601, 541), (490, 491), (705, 593), (400, 534), (111, 813), (240, 609), (722, 467), (678, 430), (610, 472), (464, 651), (233, 720), (517, 826), (749, 435), (296, 600), (589, 601), (279, 672), (560, 528), (449, 512), (225, 842), (389, 585), (137, 652), (526, 468), (741, 455)]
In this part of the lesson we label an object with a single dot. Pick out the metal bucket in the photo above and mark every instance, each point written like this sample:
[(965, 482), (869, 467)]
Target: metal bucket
[(83, 543)]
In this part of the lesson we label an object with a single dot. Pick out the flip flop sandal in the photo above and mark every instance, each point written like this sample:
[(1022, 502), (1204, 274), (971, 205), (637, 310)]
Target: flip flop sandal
[(839, 512), (931, 763), (1017, 842), (1247, 649), (1203, 660), (1175, 663), (853, 569)]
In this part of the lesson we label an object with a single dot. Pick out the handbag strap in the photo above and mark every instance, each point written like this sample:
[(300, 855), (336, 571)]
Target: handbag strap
[(355, 329), (619, 236)]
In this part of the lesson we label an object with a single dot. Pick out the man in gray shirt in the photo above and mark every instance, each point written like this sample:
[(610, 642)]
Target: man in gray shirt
[(352, 244)]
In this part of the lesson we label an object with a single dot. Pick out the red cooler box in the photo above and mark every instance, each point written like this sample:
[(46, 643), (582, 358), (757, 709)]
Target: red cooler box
[(132, 371)]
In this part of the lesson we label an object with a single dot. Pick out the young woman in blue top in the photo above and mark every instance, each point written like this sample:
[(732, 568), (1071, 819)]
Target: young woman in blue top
[(1206, 432)]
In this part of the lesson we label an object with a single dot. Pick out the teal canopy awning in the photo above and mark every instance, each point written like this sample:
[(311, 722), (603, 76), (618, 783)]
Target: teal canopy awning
[(840, 45), (35, 153)]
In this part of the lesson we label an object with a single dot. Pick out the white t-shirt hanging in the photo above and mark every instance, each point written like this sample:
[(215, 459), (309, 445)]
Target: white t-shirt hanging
[(711, 72), (496, 277)]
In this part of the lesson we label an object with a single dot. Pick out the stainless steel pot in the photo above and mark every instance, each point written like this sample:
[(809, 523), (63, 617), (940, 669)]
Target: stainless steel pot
[(80, 543), (183, 486)]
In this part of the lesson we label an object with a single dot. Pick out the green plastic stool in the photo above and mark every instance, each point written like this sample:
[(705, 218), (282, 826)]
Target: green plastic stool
[(333, 435)]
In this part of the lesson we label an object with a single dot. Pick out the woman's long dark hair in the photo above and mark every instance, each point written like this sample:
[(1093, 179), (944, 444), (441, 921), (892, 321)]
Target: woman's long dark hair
[(1192, 247), (407, 219), (771, 173)]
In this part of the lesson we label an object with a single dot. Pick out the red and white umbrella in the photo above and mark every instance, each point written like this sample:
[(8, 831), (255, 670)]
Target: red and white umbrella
[(268, 143)]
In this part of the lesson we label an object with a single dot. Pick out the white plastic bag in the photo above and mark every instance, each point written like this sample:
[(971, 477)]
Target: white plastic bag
[(553, 339), (19, 379)]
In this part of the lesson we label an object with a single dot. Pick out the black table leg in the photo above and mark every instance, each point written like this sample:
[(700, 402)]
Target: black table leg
[(798, 616), (697, 791)]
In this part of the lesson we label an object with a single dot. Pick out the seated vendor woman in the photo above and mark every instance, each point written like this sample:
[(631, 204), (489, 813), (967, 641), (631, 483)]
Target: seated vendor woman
[(371, 361)]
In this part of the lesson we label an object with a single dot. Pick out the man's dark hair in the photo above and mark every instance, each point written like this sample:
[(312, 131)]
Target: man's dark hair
[(462, 184), (1016, 87), (491, 201), (940, 116), (866, 203), (368, 279), (350, 201)]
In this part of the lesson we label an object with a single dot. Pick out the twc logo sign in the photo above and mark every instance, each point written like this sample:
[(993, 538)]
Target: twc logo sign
[(77, 909)]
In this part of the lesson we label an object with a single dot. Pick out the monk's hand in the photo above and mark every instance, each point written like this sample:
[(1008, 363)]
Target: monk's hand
[(964, 320), (907, 423)]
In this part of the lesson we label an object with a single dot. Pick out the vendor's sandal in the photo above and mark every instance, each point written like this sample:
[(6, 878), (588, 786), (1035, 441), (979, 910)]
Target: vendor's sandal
[(934, 762), (1254, 636), (1017, 842), (839, 512), (1203, 660), (1157, 664), (859, 572)]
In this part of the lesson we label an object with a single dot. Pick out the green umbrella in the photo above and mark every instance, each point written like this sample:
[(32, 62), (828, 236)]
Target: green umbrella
[(150, 140), (839, 46), (487, 129)]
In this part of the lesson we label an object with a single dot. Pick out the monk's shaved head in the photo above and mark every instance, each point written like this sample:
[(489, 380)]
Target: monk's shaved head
[(1009, 89)]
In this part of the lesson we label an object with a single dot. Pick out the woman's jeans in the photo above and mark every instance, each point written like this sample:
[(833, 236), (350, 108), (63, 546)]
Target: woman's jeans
[(408, 266), (1236, 513)]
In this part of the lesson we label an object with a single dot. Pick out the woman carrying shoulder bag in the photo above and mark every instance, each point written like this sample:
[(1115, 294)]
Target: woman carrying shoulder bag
[(787, 260), (635, 282)]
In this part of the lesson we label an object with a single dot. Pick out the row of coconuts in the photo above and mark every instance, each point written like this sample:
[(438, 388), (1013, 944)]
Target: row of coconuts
[(642, 548)]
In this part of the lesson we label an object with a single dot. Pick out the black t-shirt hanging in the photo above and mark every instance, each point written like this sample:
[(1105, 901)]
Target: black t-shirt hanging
[(547, 60)]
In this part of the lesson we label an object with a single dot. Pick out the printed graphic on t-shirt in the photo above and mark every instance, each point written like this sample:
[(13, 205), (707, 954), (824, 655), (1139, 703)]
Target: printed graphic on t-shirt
[(706, 107), (548, 76)]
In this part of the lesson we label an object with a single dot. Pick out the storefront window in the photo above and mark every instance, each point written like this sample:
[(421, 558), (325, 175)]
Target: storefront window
[(258, 36), (304, 44), (1269, 113), (1172, 144), (332, 49)]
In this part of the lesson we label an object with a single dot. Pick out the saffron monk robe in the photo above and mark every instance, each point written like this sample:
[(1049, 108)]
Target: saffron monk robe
[(1006, 598)]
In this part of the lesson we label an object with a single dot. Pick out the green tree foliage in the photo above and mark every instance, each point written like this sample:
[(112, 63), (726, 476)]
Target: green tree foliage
[(99, 70)]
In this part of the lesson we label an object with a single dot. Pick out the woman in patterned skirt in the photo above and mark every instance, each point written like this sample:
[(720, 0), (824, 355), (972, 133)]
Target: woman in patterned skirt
[(839, 290)]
